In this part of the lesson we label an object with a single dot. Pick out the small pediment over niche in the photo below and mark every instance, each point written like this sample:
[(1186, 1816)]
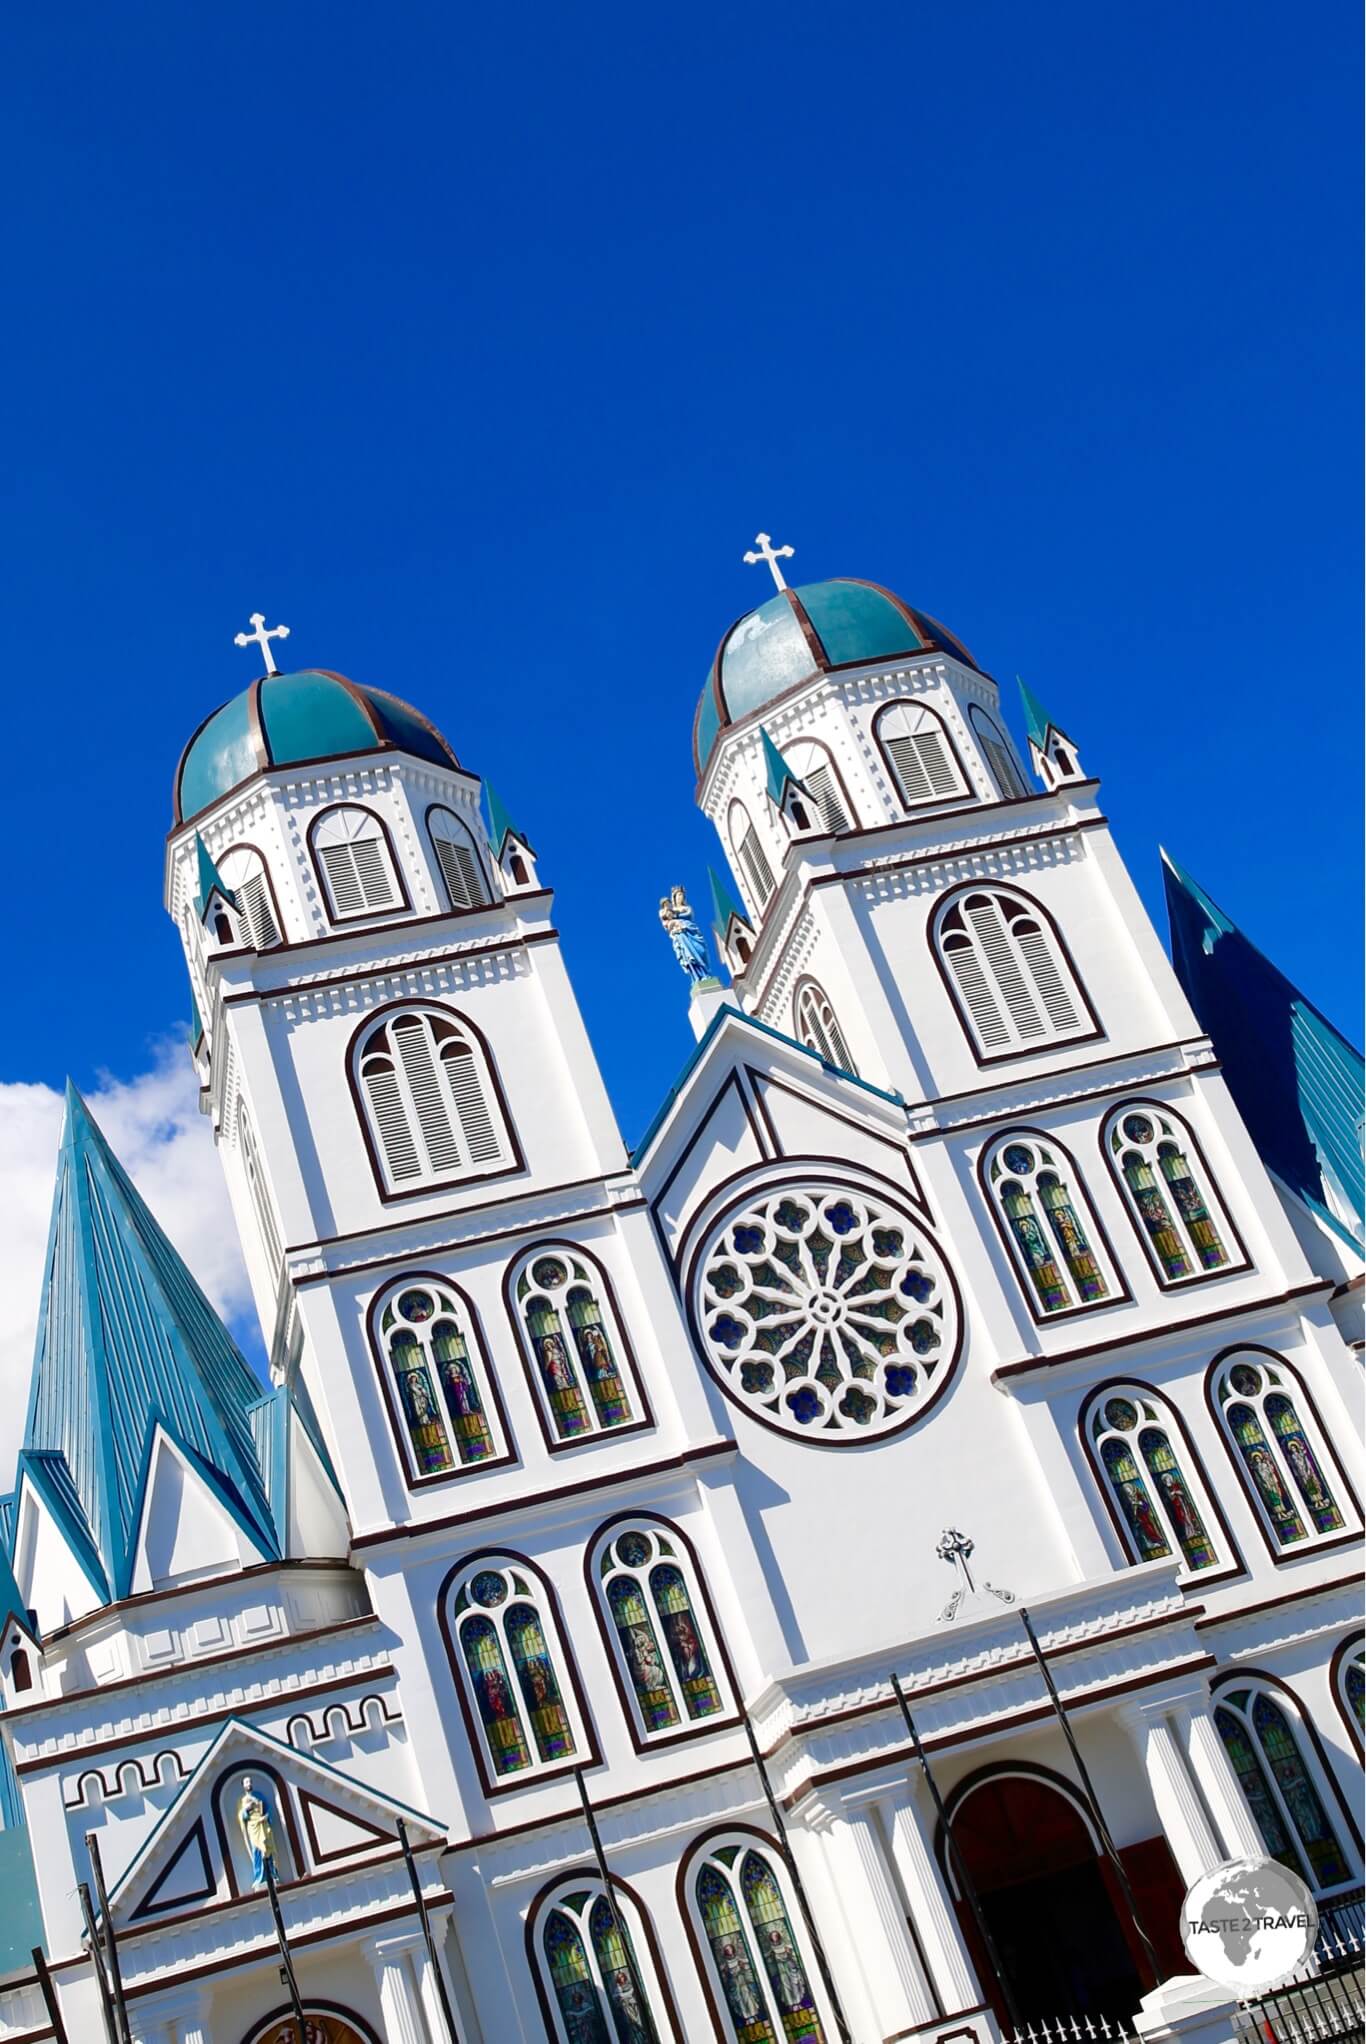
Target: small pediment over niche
[(250, 1798)]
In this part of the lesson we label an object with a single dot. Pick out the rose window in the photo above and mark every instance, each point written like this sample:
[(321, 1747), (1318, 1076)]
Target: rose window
[(828, 1313)]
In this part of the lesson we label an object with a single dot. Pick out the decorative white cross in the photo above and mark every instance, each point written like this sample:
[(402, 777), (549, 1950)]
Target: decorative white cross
[(771, 554), (259, 636), (957, 1548)]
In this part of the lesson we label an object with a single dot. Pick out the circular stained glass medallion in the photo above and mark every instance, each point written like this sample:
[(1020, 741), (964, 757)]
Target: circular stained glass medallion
[(826, 1311)]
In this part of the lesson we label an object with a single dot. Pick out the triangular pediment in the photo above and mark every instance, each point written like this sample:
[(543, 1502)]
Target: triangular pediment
[(322, 1821), (187, 1527)]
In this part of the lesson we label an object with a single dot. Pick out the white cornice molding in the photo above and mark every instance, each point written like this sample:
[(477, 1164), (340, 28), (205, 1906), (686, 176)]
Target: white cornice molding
[(1035, 1092)]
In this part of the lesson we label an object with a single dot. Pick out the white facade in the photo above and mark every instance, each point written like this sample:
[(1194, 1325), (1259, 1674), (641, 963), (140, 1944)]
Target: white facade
[(469, 1159)]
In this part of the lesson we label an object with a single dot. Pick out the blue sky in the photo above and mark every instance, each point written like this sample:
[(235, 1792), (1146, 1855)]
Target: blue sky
[(477, 344)]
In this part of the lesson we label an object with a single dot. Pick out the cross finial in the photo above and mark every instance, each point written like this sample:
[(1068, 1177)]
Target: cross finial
[(771, 554), (259, 636)]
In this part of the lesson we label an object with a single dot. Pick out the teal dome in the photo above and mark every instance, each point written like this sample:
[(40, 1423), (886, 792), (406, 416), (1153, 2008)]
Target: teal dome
[(293, 720), (800, 633)]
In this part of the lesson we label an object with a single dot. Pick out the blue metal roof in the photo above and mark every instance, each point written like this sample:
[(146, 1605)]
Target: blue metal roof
[(1037, 719), (776, 767), (1296, 1079), (126, 1342), (724, 905), (210, 879)]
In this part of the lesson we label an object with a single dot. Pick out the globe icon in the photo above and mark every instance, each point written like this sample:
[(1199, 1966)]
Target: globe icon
[(1249, 1924)]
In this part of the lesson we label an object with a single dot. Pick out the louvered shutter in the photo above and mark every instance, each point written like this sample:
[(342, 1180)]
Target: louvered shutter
[(825, 792), (255, 901), (915, 782), (460, 871), (343, 882), (757, 868), (412, 1039), (935, 757), (1043, 969), (984, 917), (1007, 775), (979, 999), (810, 1030), (838, 1047), (470, 1104), (391, 1120), (372, 873)]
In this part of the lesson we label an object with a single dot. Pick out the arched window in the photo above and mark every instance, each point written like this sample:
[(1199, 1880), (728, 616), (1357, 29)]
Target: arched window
[(659, 1626), (1277, 1448), (919, 755), (513, 1670), (574, 1345), (1049, 1225), (1166, 1189), (20, 1673), (1147, 1468), (1013, 985), (999, 752), (754, 1944), (243, 873), (254, 1172), (351, 849), (1267, 1747), (750, 856), (598, 1967), (811, 764), (817, 1026), (433, 1114), (461, 867), (1349, 1686), (438, 1379)]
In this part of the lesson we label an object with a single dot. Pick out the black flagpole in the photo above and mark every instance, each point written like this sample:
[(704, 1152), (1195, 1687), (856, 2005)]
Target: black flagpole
[(50, 2001), (92, 1846), (97, 1962), (447, 2015), (965, 1880), (604, 1875), (1088, 1790), (287, 1963), (790, 1862)]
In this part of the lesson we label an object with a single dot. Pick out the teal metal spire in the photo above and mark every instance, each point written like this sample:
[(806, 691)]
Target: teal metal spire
[(127, 1342), (1037, 720), (501, 825), (1296, 1079), (776, 767), (724, 905), (210, 879)]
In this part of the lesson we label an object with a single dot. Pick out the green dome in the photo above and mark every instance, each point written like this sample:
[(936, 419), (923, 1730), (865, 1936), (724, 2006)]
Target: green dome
[(293, 720), (800, 633)]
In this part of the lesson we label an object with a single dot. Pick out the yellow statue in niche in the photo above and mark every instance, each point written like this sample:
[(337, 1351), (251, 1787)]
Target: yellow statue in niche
[(258, 1835)]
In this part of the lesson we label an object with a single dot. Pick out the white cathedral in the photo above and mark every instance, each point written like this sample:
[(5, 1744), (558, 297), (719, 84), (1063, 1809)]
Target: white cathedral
[(837, 1571)]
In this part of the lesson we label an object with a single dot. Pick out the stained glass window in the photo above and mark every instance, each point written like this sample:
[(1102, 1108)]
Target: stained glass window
[(758, 1958), (438, 1375), (601, 1994), (1283, 1467), (1044, 1224), (575, 1347), (826, 1311), (1162, 1511), (1151, 1152), (1265, 1750), (505, 1638), (662, 1637), (1352, 1687)]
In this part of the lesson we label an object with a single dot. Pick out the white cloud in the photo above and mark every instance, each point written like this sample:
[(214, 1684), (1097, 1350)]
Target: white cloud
[(154, 1125)]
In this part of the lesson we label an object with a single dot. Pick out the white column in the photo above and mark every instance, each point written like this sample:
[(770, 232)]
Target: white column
[(177, 2018), (930, 1908), (900, 1994), (1213, 1770), (398, 1996), (427, 1990), (1183, 1817)]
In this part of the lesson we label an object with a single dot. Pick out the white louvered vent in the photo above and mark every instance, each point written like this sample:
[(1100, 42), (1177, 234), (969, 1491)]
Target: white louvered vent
[(819, 1029), (431, 1100), (1013, 981), (922, 760), (825, 792), (460, 871), (356, 866), (255, 901)]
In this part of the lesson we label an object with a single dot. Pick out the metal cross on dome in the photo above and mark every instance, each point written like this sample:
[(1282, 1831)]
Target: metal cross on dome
[(259, 636), (771, 555)]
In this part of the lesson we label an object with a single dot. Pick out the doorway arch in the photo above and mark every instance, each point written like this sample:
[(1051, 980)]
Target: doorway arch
[(1050, 1898), (324, 2023)]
